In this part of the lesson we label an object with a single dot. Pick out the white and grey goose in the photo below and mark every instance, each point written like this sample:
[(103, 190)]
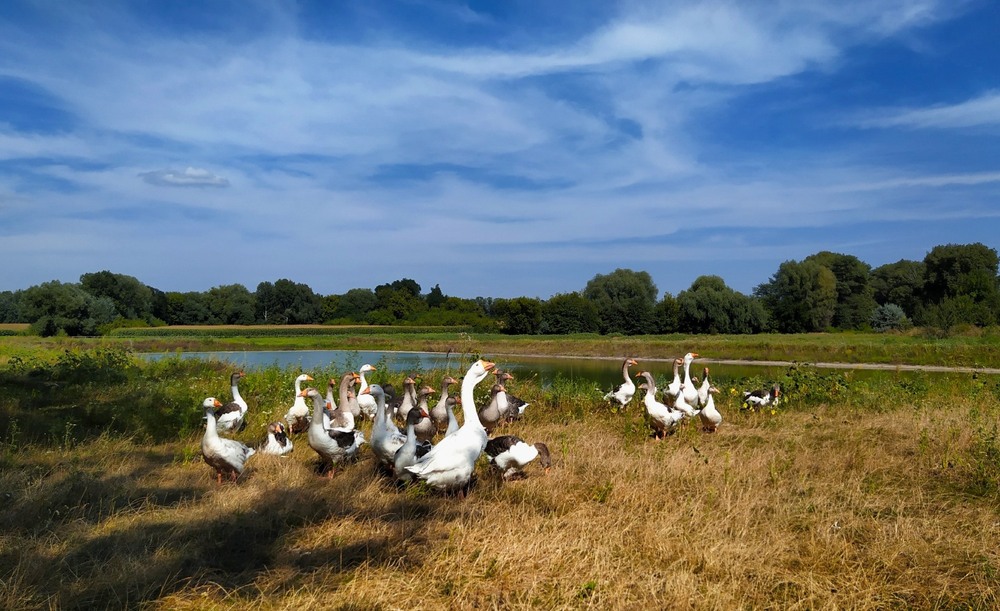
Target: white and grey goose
[(386, 436), (226, 456), (513, 408), (232, 416), (510, 454), (439, 413), (412, 448), (277, 442), (688, 388), (297, 416), (450, 464), (661, 416), (424, 428), (333, 448), (703, 389), (491, 413), (624, 393), (762, 398)]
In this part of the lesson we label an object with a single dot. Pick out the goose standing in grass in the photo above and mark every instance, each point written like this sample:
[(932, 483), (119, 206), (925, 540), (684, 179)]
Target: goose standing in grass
[(688, 388), (710, 416), (661, 417), (489, 416), (624, 393), (424, 428), (333, 447), (513, 408), (226, 456), (510, 454), (412, 448), (402, 405), (298, 414), (347, 395), (386, 437), (232, 416), (756, 399), (674, 388), (365, 400), (452, 420), (277, 442), (439, 413), (450, 464), (703, 389), (681, 403)]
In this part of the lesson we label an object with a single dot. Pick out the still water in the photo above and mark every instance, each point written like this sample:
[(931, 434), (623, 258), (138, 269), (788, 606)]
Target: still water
[(604, 372)]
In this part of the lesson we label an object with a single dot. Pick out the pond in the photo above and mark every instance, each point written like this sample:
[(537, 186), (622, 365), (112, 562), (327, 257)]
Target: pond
[(604, 372)]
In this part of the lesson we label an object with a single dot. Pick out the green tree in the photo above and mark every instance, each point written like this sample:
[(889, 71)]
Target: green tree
[(287, 302), (54, 307), (960, 285), (901, 283), (855, 296), (624, 300), (232, 304), (354, 305), (10, 307), (569, 313), (132, 298), (710, 306), (435, 297), (400, 300), (666, 315), (190, 308), (801, 297), (519, 316)]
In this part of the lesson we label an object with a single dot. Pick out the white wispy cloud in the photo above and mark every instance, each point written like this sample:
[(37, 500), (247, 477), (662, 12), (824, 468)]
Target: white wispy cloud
[(188, 177), (983, 110)]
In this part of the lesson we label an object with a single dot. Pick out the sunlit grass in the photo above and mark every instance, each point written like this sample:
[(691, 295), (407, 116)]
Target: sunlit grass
[(862, 494)]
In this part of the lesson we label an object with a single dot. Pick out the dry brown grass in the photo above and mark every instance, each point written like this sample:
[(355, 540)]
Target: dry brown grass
[(826, 509)]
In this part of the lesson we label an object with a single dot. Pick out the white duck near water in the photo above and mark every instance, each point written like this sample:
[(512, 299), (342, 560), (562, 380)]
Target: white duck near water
[(624, 393), (232, 416), (226, 456), (277, 442), (297, 416), (450, 464), (333, 448)]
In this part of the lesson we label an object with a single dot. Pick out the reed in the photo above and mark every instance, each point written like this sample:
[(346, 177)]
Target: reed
[(862, 494)]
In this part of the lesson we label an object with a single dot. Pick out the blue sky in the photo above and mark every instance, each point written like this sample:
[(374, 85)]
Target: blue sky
[(495, 148)]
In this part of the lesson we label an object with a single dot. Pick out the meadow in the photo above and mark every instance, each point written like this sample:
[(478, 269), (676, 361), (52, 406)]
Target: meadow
[(860, 492)]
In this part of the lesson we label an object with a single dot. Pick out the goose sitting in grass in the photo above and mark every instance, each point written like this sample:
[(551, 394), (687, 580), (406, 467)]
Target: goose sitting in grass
[(298, 414), (624, 393), (510, 454), (412, 448), (663, 419), (710, 416), (757, 399), (386, 436), (231, 417), (226, 456), (450, 464), (333, 447), (277, 442)]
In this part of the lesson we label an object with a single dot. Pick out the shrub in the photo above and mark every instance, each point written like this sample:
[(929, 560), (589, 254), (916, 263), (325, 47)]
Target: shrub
[(889, 317)]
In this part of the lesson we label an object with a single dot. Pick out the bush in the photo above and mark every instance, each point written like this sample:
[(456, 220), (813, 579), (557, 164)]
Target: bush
[(889, 317)]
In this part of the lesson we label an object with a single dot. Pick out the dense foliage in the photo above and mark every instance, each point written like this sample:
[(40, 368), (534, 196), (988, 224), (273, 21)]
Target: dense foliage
[(954, 285)]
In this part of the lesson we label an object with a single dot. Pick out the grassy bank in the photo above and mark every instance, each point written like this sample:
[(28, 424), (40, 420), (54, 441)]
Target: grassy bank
[(866, 494), (975, 348)]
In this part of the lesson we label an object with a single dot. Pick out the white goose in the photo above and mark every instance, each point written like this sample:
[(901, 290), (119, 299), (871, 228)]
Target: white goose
[(450, 464), (689, 390), (386, 436), (298, 414), (333, 447), (674, 388), (710, 416), (681, 404), (365, 400), (624, 393), (231, 416), (662, 417), (226, 456), (703, 389), (277, 443)]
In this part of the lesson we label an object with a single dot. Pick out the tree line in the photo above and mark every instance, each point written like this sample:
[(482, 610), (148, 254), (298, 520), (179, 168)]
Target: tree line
[(954, 284)]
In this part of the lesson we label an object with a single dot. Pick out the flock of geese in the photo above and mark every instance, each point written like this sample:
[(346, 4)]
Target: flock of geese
[(409, 454)]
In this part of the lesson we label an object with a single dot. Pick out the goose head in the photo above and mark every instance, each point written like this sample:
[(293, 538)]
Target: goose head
[(448, 381), (415, 415), (367, 368), (211, 403), (235, 378), (425, 391), (544, 458), (478, 371), (305, 377)]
